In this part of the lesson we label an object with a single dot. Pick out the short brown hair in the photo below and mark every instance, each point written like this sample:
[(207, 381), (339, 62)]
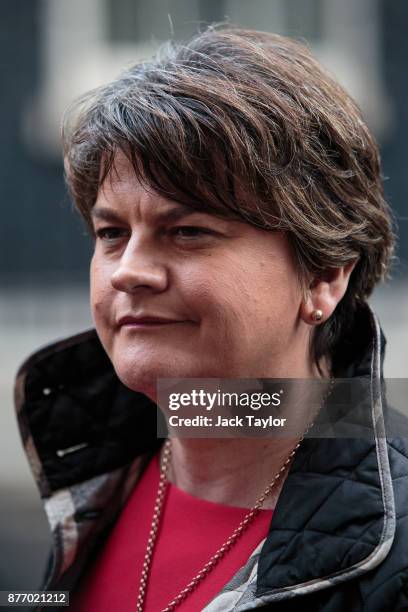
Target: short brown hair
[(245, 123)]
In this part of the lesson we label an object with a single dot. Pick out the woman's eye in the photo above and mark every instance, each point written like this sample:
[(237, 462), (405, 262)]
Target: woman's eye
[(109, 233), (190, 232)]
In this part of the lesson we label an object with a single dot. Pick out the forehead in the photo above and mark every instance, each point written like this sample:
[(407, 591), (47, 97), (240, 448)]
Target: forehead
[(125, 191), (120, 179), (124, 194), (121, 186)]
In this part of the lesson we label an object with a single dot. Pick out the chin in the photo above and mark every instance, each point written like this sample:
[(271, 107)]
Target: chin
[(141, 375), (145, 384)]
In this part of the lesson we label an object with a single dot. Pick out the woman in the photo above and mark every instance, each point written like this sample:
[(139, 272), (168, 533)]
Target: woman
[(235, 198)]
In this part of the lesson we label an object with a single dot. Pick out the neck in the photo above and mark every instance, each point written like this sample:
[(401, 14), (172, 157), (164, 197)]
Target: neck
[(215, 469)]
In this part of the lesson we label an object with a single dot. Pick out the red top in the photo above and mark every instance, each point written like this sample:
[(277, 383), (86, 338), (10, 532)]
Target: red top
[(190, 532)]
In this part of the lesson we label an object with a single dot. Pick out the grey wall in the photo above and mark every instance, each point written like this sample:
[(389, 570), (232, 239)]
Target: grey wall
[(40, 238)]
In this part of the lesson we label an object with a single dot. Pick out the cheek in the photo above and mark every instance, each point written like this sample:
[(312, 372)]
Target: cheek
[(224, 299), (259, 296), (99, 306), (100, 294)]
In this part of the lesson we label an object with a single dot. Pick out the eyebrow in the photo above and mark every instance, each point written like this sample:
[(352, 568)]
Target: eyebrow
[(105, 213)]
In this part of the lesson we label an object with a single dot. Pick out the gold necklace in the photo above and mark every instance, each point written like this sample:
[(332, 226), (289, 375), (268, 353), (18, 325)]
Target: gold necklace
[(246, 521)]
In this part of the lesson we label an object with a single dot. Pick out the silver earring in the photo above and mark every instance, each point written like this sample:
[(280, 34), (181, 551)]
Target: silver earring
[(317, 315)]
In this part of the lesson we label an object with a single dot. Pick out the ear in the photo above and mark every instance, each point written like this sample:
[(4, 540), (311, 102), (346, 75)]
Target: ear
[(324, 293)]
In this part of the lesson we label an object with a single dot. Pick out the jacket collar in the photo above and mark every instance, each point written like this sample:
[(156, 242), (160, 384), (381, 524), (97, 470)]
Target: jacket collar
[(79, 423)]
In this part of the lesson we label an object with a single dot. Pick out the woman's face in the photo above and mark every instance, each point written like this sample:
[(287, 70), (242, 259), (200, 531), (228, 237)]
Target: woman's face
[(228, 290)]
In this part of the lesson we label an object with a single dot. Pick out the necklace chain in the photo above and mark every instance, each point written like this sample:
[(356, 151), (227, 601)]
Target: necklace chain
[(246, 521)]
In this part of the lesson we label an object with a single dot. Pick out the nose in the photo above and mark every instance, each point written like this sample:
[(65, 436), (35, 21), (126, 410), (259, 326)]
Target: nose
[(138, 269)]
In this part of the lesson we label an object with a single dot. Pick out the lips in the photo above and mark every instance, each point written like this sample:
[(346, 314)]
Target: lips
[(145, 320)]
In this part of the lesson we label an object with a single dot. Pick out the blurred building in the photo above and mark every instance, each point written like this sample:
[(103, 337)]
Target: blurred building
[(53, 50)]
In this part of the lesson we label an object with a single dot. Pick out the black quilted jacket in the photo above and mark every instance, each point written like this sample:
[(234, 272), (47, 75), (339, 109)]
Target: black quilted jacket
[(338, 540)]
